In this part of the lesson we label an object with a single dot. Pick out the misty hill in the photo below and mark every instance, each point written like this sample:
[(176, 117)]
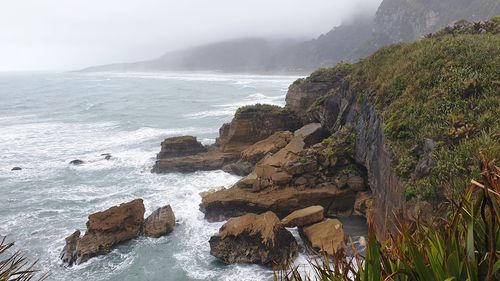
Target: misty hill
[(394, 21)]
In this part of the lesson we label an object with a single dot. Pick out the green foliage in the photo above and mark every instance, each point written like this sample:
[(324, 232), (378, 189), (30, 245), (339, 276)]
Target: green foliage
[(260, 108), (341, 145), (445, 88), (466, 246)]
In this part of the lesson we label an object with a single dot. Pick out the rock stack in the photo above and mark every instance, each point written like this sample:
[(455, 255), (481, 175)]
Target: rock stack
[(113, 226)]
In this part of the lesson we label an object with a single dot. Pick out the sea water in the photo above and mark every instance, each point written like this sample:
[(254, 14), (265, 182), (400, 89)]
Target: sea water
[(49, 119)]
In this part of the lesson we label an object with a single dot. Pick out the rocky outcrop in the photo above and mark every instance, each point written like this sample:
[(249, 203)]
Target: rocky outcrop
[(423, 152), (250, 125), (180, 146), (160, 222), (113, 226), (304, 92), (339, 108), (304, 217), (105, 230), (398, 21), (293, 178), (254, 238), (326, 236)]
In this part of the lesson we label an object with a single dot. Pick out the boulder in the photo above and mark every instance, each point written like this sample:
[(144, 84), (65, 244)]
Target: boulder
[(304, 217), (180, 146), (326, 236), (105, 230), (76, 162), (16, 169), (160, 222), (312, 133), (255, 152), (259, 239)]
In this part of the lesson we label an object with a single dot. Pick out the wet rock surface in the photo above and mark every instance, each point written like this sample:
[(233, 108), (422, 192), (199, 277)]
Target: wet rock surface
[(252, 238), (159, 223)]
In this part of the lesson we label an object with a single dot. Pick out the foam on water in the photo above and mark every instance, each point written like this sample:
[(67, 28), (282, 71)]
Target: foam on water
[(47, 120)]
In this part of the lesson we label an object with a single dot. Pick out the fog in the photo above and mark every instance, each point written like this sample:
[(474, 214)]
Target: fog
[(71, 34)]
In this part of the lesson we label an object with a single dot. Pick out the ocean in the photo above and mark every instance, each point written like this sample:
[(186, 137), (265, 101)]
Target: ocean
[(49, 119)]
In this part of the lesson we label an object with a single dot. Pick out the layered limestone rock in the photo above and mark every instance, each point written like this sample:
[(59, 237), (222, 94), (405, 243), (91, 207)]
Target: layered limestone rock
[(160, 222), (270, 145), (252, 238), (205, 161), (327, 236), (293, 178), (250, 125), (236, 201), (340, 107), (304, 217), (113, 226)]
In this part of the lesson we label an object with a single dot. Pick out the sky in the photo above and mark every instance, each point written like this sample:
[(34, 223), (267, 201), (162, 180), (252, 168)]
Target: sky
[(37, 35)]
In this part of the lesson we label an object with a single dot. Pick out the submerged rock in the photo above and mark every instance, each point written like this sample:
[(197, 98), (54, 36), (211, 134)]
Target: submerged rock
[(16, 169), (160, 222), (105, 230), (326, 236), (76, 162), (252, 238), (107, 156), (304, 217)]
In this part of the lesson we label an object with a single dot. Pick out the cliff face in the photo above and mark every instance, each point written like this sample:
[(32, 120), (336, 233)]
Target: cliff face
[(421, 112), (344, 109), (406, 20)]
